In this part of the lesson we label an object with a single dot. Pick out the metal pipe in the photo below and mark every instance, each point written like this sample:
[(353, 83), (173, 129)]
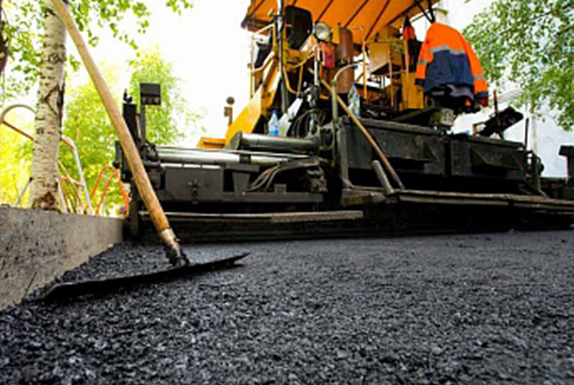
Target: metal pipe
[(6, 110), (369, 138), (21, 132), (220, 157), (364, 52), (280, 20), (382, 176), (536, 171), (526, 133), (21, 196), (62, 197), (340, 151), (143, 123), (316, 71), (352, 65), (345, 54), (334, 105), (67, 141), (72, 145), (335, 93), (256, 142), (335, 111)]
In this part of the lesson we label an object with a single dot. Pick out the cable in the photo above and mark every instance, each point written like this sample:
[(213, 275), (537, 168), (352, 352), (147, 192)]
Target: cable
[(265, 180)]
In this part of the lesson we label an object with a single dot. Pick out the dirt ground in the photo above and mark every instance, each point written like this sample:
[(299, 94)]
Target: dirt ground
[(464, 309)]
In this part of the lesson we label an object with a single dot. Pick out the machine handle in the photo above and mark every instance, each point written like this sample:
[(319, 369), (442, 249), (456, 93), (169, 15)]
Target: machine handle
[(388, 166)]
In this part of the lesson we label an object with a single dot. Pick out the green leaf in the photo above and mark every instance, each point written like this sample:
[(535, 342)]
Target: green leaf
[(26, 30), (530, 43)]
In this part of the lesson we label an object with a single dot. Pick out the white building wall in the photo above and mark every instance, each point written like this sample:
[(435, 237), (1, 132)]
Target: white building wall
[(545, 136)]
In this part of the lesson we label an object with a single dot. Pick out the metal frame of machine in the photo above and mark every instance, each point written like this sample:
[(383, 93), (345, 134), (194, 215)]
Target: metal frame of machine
[(391, 166)]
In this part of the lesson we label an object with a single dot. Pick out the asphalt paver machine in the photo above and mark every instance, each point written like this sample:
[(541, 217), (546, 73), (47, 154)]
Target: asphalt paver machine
[(337, 137)]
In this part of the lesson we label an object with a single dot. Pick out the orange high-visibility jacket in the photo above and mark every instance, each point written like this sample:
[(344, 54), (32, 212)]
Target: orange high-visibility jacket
[(446, 58), (408, 30)]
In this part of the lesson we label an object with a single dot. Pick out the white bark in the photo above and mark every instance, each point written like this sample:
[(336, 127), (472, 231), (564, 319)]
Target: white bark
[(49, 111)]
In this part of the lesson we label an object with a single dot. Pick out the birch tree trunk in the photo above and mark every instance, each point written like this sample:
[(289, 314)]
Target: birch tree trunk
[(49, 113)]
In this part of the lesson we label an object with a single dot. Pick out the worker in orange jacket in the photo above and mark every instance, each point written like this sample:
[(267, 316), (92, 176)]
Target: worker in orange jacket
[(413, 45), (408, 30), (448, 60)]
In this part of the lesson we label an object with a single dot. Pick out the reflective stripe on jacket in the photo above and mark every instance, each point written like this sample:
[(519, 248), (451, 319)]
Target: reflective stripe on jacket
[(446, 58)]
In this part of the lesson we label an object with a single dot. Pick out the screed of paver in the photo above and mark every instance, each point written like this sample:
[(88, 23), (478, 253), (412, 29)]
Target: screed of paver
[(476, 309)]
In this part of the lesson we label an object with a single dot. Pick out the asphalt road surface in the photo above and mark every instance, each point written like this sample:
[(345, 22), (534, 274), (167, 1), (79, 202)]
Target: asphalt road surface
[(465, 309)]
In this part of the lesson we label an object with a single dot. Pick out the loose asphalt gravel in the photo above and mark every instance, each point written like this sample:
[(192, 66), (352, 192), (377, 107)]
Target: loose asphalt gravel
[(471, 309)]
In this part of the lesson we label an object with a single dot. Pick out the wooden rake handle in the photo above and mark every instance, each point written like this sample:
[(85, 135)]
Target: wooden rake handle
[(135, 163)]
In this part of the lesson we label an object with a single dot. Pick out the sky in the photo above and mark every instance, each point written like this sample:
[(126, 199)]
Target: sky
[(210, 52), (208, 49)]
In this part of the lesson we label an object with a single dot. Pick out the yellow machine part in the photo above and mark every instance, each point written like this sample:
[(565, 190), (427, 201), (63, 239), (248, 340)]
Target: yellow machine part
[(373, 19), (211, 143), (413, 95), (388, 57), (259, 104)]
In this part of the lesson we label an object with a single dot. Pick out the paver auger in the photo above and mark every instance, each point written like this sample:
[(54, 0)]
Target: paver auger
[(338, 138)]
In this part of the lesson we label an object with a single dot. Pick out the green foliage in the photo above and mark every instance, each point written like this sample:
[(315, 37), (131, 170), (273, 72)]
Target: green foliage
[(26, 22), (530, 43), (88, 125), (15, 158), (165, 123)]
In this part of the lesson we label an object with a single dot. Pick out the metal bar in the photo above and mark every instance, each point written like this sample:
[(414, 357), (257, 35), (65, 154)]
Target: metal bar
[(21, 196), (143, 124), (125, 195), (68, 142), (534, 199), (255, 10), (364, 52), (72, 183), (104, 286), (340, 152), (405, 13), (431, 11), (257, 142), (417, 2), (276, 217), (382, 176), (457, 202), (72, 145), (63, 201), (97, 182), (104, 193), (368, 137), (526, 133), (407, 72), (18, 130), (12, 107), (222, 157), (280, 20)]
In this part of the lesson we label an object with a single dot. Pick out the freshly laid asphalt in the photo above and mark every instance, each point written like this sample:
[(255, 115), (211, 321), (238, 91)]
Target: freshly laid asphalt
[(463, 309)]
